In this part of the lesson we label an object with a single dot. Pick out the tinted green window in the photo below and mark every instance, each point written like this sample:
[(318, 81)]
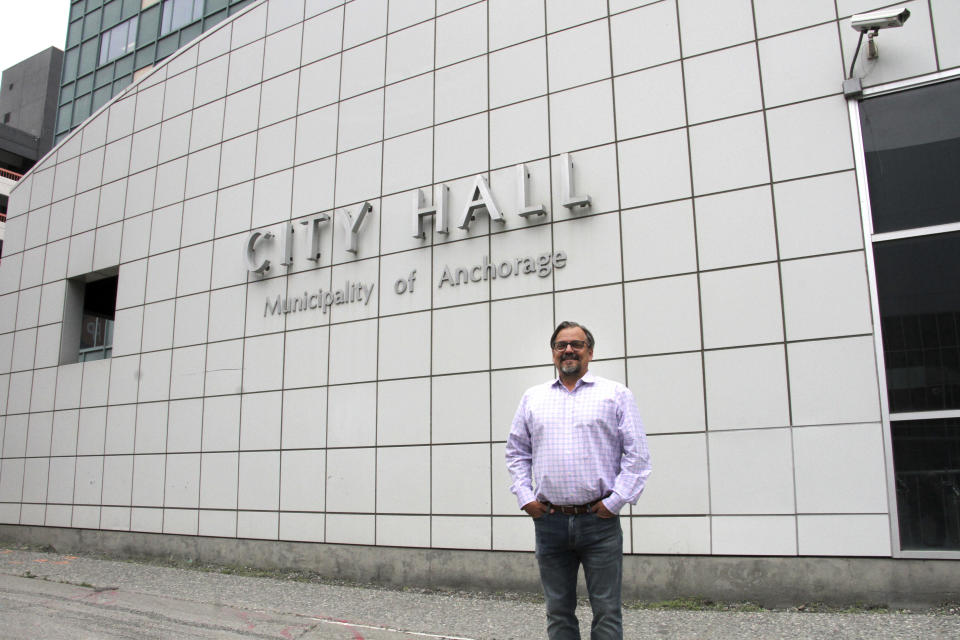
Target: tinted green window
[(104, 75), (130, 7), (145, 57), (76, 11), (189, 33), (213, 19), (66, 93), (84, 84), (81, 109), (167, 45), (70, 64), (74, 33), (111, 13), (63, 117), (101, 96), (121, 83), (149, 25), (124, 65), (238, 6), (215, 5), (88, 56), (91, 24)]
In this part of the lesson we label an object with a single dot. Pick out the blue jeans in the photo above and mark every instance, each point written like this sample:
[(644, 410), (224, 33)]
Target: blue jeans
[(564, 542)]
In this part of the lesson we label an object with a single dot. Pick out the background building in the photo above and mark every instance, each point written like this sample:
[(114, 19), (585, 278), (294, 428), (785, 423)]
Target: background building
[(28, 111), (112, 42), (290, 285), (28, 104)]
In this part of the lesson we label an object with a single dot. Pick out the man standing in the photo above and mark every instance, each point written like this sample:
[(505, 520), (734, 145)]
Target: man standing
[(577, 453)]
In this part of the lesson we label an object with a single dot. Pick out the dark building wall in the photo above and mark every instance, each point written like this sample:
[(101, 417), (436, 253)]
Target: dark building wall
[(28, 96)]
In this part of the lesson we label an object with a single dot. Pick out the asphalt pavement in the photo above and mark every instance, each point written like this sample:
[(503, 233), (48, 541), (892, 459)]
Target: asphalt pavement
[(53, 596)]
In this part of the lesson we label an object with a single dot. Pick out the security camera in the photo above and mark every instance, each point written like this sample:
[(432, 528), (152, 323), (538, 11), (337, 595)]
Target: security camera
[(894, 17)]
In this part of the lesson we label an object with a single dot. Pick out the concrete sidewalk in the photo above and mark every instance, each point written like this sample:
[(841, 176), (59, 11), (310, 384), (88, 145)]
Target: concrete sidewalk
[(51, 595)]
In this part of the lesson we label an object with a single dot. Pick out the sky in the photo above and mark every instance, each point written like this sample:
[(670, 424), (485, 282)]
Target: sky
[(30, 26)]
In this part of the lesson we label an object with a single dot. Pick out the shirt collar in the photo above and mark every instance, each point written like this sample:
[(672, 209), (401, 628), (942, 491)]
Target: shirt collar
[(587, 378)]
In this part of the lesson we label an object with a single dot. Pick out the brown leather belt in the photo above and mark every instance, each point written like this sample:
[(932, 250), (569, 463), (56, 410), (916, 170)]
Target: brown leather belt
[(573, 509)]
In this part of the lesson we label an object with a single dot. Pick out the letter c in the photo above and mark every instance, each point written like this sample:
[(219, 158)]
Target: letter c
[(250, 253)]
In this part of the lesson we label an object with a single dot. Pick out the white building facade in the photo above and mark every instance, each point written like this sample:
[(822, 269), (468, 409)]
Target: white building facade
[(338, 236)]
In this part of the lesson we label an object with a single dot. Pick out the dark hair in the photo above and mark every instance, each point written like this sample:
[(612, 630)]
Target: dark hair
[(568, 324)]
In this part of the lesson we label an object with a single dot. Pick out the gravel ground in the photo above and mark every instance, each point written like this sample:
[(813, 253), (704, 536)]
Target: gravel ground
[(107, 598)]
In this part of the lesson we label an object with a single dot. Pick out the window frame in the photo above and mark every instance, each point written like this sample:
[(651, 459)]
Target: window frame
[(106, 41), (196, 13), (869, 240)]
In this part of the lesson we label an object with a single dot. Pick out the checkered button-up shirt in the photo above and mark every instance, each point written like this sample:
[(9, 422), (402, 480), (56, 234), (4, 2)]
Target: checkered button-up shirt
[(573, 447)]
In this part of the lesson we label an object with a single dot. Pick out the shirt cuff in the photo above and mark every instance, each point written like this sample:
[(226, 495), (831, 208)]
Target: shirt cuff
[(525, 497), (614, 503)]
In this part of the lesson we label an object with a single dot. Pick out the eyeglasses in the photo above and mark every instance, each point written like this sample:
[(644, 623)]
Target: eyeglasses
[(577, 345)]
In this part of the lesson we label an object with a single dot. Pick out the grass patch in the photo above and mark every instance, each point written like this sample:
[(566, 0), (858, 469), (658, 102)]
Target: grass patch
[(695, 604)]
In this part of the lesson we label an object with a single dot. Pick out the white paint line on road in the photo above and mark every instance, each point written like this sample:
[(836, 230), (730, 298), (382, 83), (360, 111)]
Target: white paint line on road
[(344, 623)]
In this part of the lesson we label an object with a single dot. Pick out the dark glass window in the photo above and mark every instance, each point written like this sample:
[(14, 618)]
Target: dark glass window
[(912, 144), (912, 149), (926, 455), (96, 325), (918, 291)]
